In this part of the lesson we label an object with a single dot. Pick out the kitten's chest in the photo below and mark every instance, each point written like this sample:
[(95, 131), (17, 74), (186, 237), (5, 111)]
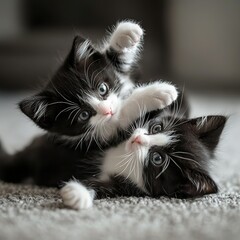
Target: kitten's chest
[(117, 162)]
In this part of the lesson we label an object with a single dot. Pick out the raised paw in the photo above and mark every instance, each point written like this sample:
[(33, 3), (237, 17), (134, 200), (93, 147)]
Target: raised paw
[(76, 196), (126, 36), (158, 95), (165, 93)]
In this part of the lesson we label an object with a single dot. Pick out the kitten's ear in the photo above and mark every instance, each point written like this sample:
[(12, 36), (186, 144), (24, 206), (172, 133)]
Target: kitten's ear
[(209, 129), (197, 184), (35, 108), (81, 49)]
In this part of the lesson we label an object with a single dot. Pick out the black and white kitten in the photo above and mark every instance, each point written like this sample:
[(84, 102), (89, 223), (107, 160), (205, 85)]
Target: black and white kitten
[(165, 156), (92, 95)]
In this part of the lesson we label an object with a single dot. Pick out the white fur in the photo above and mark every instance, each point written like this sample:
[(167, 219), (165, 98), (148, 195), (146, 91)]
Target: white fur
[(127, 86), (126, 36), (126, 39), (76, 196), (115, 163), (147, 98), (105, 126)]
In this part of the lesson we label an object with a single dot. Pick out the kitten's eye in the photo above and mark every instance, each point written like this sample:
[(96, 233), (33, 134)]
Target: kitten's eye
[(103, 89), (84, 115), (157, 159), (157, 128)]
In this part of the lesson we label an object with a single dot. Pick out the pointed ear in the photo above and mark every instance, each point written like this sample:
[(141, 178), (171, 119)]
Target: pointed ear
[(196, 185), (82, 53), (81, 49), (35, 108), (209, 129)]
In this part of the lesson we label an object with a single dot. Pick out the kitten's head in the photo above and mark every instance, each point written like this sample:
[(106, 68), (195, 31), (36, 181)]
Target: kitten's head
[(173, 155), (82, 99)]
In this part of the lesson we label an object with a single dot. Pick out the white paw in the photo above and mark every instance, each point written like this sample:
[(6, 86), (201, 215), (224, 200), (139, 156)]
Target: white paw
[(161, 94), (76, 196), (126, 35)]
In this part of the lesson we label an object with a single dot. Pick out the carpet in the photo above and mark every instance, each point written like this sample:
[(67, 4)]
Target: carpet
[(30, 212)]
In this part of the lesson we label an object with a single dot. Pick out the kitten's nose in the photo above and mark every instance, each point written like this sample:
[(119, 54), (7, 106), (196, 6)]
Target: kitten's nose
[(106, 111), (137, 140)]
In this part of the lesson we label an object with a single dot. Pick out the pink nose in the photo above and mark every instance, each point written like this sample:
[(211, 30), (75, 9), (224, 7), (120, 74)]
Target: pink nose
[(106, 111), (137, 140)]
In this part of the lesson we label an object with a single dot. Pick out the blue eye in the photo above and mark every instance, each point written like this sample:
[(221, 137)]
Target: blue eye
[(157, 159), (84, 115), (157, 128), (103, 89)]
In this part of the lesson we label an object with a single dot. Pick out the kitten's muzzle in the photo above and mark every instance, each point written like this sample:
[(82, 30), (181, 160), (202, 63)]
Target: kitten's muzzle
[(137, 140), (105, 110)]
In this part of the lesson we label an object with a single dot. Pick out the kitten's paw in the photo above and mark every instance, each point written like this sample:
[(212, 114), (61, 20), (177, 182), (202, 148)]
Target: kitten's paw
[(165, 93), (76, 196), (126, 35), (161, 94)]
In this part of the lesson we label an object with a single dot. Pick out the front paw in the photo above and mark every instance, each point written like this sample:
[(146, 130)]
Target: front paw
[(76, 196), (161, 94), (165, 93), (126, 36)]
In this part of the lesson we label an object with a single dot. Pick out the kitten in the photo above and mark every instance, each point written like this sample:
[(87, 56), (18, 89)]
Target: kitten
[(165, 156), (92, 96)]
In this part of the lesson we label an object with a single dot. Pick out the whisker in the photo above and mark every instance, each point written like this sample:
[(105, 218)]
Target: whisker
[(187, 153), (74, 110), (61, 102), (176, 164), (75, 116), (69, 101), (64, 110), (187, 159), (166, 164), (128, 162)]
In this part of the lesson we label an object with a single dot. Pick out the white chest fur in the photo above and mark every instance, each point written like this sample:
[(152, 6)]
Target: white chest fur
[(119, 164)]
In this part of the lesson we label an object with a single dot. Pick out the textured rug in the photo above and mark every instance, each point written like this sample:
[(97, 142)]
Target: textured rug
[(29, 212)]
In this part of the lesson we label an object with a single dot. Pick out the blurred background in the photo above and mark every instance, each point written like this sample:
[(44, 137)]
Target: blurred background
[(193, 43)]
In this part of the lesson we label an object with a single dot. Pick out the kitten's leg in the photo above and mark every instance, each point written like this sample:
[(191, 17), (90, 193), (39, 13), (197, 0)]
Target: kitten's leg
[(124, 45), (147, 98), (78, 195), (111, 187)]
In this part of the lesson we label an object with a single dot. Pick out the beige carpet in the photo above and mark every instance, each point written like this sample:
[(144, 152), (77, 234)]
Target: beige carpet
[(33, 213)]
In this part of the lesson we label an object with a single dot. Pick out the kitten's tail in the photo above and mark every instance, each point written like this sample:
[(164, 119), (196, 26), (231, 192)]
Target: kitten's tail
[(3, 159), (11, 170), (2, 151)]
